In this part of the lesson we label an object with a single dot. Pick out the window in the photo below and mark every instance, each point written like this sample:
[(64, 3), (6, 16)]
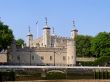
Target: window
[(71, 57), (32, 57), (18, 57), (50, 58), (42, 58), (64, 58)]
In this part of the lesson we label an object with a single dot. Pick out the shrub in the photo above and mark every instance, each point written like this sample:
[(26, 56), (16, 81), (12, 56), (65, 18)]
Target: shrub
[(104, 60), (55, 75), (7, 76)]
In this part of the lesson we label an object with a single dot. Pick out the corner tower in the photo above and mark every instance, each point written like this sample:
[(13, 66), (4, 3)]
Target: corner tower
[(74, 31), (71, 47), (46, 35), (29, 39)]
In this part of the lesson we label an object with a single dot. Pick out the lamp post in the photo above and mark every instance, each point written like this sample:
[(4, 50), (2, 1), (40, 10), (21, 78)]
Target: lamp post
[(54, 57), (37, 28)]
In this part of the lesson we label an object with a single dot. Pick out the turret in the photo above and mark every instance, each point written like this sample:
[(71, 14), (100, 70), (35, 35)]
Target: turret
[(46, 35), (29, 39), (74, 31), (71, 47)]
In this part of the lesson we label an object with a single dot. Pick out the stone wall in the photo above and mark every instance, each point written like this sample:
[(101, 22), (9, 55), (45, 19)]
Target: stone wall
[(39, 56), (3, 57)]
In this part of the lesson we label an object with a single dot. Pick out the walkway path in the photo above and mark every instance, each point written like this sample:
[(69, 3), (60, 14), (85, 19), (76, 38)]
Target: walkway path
[(65, 81)]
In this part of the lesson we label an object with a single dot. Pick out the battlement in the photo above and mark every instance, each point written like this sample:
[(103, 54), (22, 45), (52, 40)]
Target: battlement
[(3, 52), (61, 37)]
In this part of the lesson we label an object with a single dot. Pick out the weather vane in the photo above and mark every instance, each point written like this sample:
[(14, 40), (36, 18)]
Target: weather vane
[(29, 28), (37, 22), (46, 20), (73, 23)]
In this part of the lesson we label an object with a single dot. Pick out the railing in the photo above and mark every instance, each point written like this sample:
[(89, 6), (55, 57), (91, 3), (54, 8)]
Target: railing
[(58, 67)]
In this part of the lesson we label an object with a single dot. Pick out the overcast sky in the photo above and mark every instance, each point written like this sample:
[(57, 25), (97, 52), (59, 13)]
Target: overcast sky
[(91, 16)]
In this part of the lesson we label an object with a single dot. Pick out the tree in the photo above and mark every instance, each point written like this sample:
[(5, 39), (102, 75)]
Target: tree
[(6, 36), (19, 42), (103, 60), (101, 44), (83, 45)]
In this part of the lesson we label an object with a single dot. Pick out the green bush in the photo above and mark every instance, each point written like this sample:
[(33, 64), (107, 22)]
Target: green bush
[(101, 61), (7, 76), (55, 75), (86, 63)]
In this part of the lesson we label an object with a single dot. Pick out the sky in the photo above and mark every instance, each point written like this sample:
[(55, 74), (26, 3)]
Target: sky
[(90, 16)]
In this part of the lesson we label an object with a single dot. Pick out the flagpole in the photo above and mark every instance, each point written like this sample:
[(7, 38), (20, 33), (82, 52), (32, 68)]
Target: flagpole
[(37, 28)]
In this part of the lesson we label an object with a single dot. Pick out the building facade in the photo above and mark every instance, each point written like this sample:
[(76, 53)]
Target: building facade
[(48, 49)]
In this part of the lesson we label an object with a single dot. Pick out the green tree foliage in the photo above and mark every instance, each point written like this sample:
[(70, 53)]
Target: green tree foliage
[(6, 36), (101, 44), (83, 45), (19, 42), (104, 60), (101, 61)]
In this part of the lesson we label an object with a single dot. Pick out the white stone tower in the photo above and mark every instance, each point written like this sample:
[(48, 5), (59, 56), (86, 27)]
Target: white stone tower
[(29, 39), (71, 47), (46, 35)]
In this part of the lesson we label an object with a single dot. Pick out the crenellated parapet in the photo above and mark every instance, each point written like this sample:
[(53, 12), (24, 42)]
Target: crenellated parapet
[(59, 41), (61, 37)]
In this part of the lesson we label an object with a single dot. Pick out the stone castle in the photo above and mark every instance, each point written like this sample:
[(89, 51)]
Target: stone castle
[(49, 49)]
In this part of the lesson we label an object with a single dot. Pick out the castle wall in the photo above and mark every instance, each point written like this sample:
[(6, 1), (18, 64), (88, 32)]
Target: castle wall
[(56, 41), (40, 56), (46, 50), (38, 42), (3, 57)]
